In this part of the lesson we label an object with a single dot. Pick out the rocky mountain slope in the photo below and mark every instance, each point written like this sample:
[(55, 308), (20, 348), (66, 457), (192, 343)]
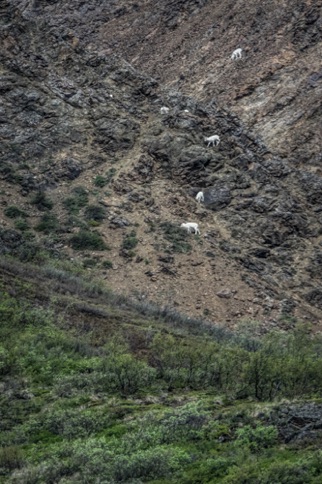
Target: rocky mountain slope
[(86, 154)]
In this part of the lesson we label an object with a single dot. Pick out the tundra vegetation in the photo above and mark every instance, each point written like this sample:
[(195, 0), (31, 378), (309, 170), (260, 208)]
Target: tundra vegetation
[(98, 387)]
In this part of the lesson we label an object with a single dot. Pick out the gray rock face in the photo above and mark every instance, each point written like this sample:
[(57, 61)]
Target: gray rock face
[(296, 423), (217, 198)]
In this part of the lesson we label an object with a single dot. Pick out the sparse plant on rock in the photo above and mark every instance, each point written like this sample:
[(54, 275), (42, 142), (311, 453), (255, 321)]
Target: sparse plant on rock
[(130, 241), (177, 237)]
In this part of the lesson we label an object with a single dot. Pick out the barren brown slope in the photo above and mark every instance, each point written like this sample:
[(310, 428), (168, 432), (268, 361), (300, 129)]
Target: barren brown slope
[(259, 255)]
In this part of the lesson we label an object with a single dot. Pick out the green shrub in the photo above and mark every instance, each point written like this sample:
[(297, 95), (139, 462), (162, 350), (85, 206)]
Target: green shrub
[(75, 221), (77, 201), (21, 224), (14, 212), (110, 174), (10, 458), (130, 241), (160, 461), (86, 240), (256, 438), (28, 252), (4, 361), (107, 264), (41, 201), (95, 212), (209, 469), (126, 374), (100, 181), (68, 423), (87, 263), (184, 423), (48, 223), (287, 473)]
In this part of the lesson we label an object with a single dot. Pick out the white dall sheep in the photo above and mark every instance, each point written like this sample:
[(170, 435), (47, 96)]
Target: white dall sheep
[(212, 140), (164, 110), (236, 54), (191, 227), (200, 197)]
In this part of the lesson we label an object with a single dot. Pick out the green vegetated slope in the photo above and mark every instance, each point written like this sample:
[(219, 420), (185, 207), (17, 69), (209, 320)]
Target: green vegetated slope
[(98, 388)]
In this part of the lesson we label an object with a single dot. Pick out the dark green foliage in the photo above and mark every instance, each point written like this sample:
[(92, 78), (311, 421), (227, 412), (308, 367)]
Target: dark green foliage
[(125, 374), (110, 174), (48, 223), (86, 240), (21, 224), (14, 212), (28, 252), (107, 264), (88, 263), (177, 238), (6, 171), (144, 400), (100, 181), (5, 360), (78, 200), (42, 202), (256, 438), (95, 212), (130, 241), (10, 458)]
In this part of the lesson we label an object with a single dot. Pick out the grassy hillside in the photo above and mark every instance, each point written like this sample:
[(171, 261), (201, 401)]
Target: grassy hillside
[(98, 388)]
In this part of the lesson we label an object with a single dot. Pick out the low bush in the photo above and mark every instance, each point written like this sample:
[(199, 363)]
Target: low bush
[(86, 240), (29, 252), (107, 264), (88, 263), (100, 181), (10, 458), (125, 374), (130, 241), (256, 438), (48, 223), (42, 202), (14, 212), (78, 200), (21, 224), (95, 212), (5, 362)]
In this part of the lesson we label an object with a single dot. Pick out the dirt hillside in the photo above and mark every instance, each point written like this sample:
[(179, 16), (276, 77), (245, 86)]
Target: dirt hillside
[(81, 90)]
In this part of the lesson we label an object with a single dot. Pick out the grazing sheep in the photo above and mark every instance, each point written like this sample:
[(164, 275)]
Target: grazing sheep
[(200, 197), (191, 227), (212, 140), (236, 54), (164, 110)]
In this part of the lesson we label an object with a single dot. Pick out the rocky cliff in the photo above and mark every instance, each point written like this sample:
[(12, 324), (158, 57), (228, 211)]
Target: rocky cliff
[(91, 171)]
